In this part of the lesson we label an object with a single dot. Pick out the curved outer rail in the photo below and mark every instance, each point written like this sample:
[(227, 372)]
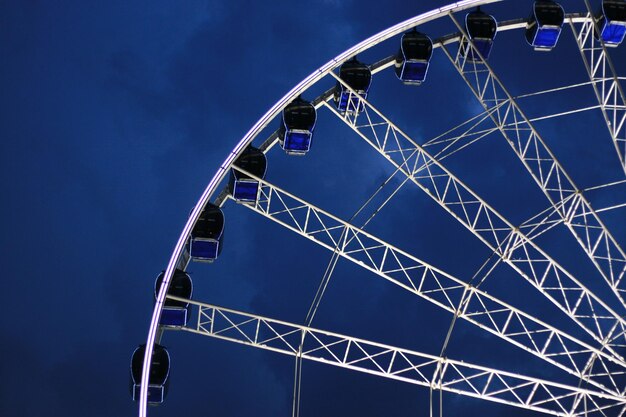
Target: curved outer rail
[(247, 139)]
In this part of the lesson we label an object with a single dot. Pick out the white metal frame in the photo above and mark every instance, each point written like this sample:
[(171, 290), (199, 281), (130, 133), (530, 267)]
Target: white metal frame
[(220, 174), (438, 373), (566, 198), (508, 243), (445, 291), (606, 85)]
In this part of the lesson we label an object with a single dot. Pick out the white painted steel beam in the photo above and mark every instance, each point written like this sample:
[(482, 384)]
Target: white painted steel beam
[(438, 287), (606, 85), (438, 373), (507, 241), (567, 199)]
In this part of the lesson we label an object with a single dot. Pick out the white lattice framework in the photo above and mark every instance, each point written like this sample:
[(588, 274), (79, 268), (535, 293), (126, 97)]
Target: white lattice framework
[(600, 363), (438, 287), (606, 84), (566, 198), (405, 365), (507, 241)]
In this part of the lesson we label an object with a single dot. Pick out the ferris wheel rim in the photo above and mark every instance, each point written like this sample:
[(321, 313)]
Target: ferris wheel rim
[(250, 135), (261, 124)]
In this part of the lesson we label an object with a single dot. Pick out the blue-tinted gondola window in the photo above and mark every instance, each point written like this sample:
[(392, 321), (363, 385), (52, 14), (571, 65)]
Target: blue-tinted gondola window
[(174, 317), (204, 248), (246, 190), (547, 37), (613, 21), (613, 33), (297, 141), (545, 24), (414, 71)]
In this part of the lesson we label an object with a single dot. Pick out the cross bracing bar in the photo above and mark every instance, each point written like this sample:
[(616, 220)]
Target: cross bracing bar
[(405, 365), (438, 287), (542, 222), (590, 232), (606, 84), (549, 218), (451, 144), (507, 241), (613, 207)]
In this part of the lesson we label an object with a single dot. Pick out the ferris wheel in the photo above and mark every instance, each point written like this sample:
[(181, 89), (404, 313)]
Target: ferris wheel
[(580, 334)]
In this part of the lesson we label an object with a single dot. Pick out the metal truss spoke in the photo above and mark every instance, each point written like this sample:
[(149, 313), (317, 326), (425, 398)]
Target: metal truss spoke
[(606, 84), (607, 185), (451, 141), (616, 206), (330, 268), (435, 372), (548, 218), (507, 241), (553, 90), (592, 235), (541, 222), (444, 145), (436, 286)]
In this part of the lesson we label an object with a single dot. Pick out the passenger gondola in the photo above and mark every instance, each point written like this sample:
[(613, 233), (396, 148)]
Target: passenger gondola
[(243, 188), (544, 25), (412, 60), (207, 235), (175, 313), (481, 29), (612, 22), (158, 380), (297, 126), (359, 78)]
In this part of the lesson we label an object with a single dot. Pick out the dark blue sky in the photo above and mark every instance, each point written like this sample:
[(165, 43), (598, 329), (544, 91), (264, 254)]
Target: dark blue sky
[(114, 116)]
